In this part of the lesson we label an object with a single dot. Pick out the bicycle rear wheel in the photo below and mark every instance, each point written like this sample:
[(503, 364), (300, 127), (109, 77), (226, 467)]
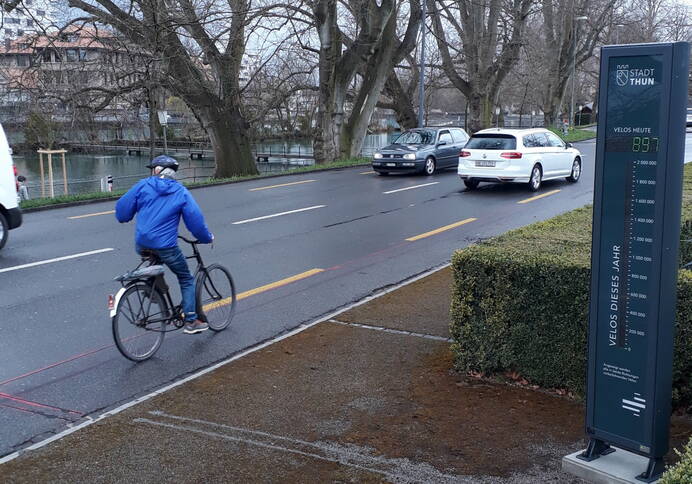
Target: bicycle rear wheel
[(216, 299), (139, 321)]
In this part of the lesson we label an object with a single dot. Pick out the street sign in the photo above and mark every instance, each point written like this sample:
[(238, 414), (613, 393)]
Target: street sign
[(636, 231), (163, 118)]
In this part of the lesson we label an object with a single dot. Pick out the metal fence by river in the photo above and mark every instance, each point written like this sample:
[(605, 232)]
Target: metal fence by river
[(87, 172)]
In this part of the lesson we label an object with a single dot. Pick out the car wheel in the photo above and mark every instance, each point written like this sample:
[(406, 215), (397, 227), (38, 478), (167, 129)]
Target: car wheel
[(4, 229), (429, 167), (471, 184), (576, 171), (382, 173), (536, 178)]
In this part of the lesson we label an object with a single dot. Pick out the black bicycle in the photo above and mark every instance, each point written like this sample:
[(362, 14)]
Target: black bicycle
[(142, 311)]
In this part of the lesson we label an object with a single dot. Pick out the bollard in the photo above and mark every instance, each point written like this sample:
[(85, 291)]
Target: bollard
[(110, 183)]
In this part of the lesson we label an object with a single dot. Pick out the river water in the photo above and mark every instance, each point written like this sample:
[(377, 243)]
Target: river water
[(88, 172)]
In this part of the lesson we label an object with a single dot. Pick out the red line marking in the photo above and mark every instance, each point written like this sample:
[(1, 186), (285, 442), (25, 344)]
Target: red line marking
[(72, 358), (18, 408), (36, 404)]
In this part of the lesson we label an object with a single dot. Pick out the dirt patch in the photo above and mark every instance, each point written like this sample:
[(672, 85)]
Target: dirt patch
[(421, 307)]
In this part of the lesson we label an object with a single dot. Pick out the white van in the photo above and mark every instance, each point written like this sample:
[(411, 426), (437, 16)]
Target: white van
[(10, 214)]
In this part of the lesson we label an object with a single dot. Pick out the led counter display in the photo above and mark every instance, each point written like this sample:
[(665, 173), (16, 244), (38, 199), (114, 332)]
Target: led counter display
[(634, 253), (628, 285)]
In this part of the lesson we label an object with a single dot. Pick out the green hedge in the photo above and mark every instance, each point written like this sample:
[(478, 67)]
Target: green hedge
[(682, 472), (520, 303)]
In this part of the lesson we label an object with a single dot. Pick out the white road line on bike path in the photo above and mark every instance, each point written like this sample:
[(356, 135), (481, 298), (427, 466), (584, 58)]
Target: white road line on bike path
[(57, 259), (91, 420), (91, 215), (278, 214), (282, 185), (410, 188)]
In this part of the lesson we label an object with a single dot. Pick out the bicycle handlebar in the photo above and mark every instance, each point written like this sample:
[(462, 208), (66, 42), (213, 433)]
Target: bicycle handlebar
[(191, 242)]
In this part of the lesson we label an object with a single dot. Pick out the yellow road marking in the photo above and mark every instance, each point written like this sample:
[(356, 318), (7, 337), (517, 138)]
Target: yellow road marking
[(546, 194), (282, 185), (266, 287), (367, 172), (441, 229), (92, 214)]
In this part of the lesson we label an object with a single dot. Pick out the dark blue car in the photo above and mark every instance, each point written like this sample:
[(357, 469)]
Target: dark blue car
[(421, 150)]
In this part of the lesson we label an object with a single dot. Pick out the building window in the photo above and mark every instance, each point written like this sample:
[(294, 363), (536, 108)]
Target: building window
[(41, 13), (23, 61), (71, 55), (20, 32), (9, 32), (82, 55), (46, 56), (13, 21), (29, 22), (28, 2)]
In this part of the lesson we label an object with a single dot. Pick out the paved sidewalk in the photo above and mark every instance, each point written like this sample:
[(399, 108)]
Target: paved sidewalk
[(340, 402)]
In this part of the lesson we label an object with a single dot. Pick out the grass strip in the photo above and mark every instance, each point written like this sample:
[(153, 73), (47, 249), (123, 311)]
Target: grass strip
[(65, 200)]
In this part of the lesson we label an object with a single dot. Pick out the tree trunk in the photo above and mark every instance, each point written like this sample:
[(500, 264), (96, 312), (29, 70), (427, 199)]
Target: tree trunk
[(480, 111), (401, 103), (375, 77), (229, 138)]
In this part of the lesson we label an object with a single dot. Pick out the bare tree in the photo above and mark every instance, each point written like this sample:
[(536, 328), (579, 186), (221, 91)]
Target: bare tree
[(197, 49), (9, 5), (479, 39), (400, 91), (372, 50), (564, 52)]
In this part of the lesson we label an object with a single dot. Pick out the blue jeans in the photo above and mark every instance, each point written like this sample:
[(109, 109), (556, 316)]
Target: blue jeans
[(175, 260)]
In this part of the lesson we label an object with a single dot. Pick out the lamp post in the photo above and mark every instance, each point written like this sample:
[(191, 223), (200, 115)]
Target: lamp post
[(617, 32), (574, 65), (421, 80)]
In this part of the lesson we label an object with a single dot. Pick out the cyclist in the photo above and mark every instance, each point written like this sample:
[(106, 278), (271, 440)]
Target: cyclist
[(159, 201)]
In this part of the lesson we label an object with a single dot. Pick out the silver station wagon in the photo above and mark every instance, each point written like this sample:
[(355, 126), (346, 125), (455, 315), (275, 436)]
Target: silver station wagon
[(421, 150)]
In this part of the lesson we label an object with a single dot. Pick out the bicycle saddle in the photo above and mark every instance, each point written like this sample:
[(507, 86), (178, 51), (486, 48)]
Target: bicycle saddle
[(142, 273)]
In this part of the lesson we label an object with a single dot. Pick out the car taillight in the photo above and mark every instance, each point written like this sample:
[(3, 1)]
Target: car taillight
[(464, 154), (511, 155)]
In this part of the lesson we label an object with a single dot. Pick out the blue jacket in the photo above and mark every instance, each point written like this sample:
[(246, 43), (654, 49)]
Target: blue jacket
[(159, 203)]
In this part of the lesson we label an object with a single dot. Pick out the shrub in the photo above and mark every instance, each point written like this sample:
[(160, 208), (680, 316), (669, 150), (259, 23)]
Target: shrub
[(520, 303), (682, 472)]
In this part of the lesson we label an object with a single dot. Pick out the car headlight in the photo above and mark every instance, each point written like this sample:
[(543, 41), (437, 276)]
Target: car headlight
[(377, 156), (410, 156)]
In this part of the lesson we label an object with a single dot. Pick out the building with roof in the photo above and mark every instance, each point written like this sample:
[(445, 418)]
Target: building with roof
[(29, 17)]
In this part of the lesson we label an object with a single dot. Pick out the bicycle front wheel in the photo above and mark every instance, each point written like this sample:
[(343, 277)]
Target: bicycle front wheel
[(216, 297), (139, 321)]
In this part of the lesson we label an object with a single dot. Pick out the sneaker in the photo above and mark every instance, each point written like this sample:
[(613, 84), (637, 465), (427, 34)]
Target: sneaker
[(194, 327)]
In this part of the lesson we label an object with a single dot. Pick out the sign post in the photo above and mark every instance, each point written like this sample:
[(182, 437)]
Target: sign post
[(163, 121), (636, 231)]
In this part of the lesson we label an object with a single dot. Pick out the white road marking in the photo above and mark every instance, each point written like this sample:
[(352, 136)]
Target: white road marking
[(397, 470), (91, 420), (393, 331), (277, 214), (410, 188), (57, 259), (92, 215)]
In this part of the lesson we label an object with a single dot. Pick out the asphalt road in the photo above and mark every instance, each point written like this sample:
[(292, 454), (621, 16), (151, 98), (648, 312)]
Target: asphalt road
[(58, 359)]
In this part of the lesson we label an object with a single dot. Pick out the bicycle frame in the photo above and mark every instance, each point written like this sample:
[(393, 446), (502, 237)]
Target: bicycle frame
[(159, 283)]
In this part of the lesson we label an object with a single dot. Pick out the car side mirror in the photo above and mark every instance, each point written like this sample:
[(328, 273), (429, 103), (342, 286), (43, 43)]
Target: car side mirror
[(568, 145)]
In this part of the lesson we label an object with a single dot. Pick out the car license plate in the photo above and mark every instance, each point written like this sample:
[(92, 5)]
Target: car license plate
[(391, 164), (485, 163)]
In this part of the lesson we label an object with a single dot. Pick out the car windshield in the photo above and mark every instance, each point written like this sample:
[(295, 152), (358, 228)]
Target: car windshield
[(416, 138), (492, 142)]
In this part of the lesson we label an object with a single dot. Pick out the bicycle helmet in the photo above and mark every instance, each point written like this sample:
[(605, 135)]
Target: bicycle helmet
[(164, 161)]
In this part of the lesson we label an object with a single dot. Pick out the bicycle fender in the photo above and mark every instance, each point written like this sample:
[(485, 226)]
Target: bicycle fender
[(118, 295)]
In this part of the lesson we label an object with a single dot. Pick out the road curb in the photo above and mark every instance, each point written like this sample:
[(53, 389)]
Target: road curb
[(89, 420)]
